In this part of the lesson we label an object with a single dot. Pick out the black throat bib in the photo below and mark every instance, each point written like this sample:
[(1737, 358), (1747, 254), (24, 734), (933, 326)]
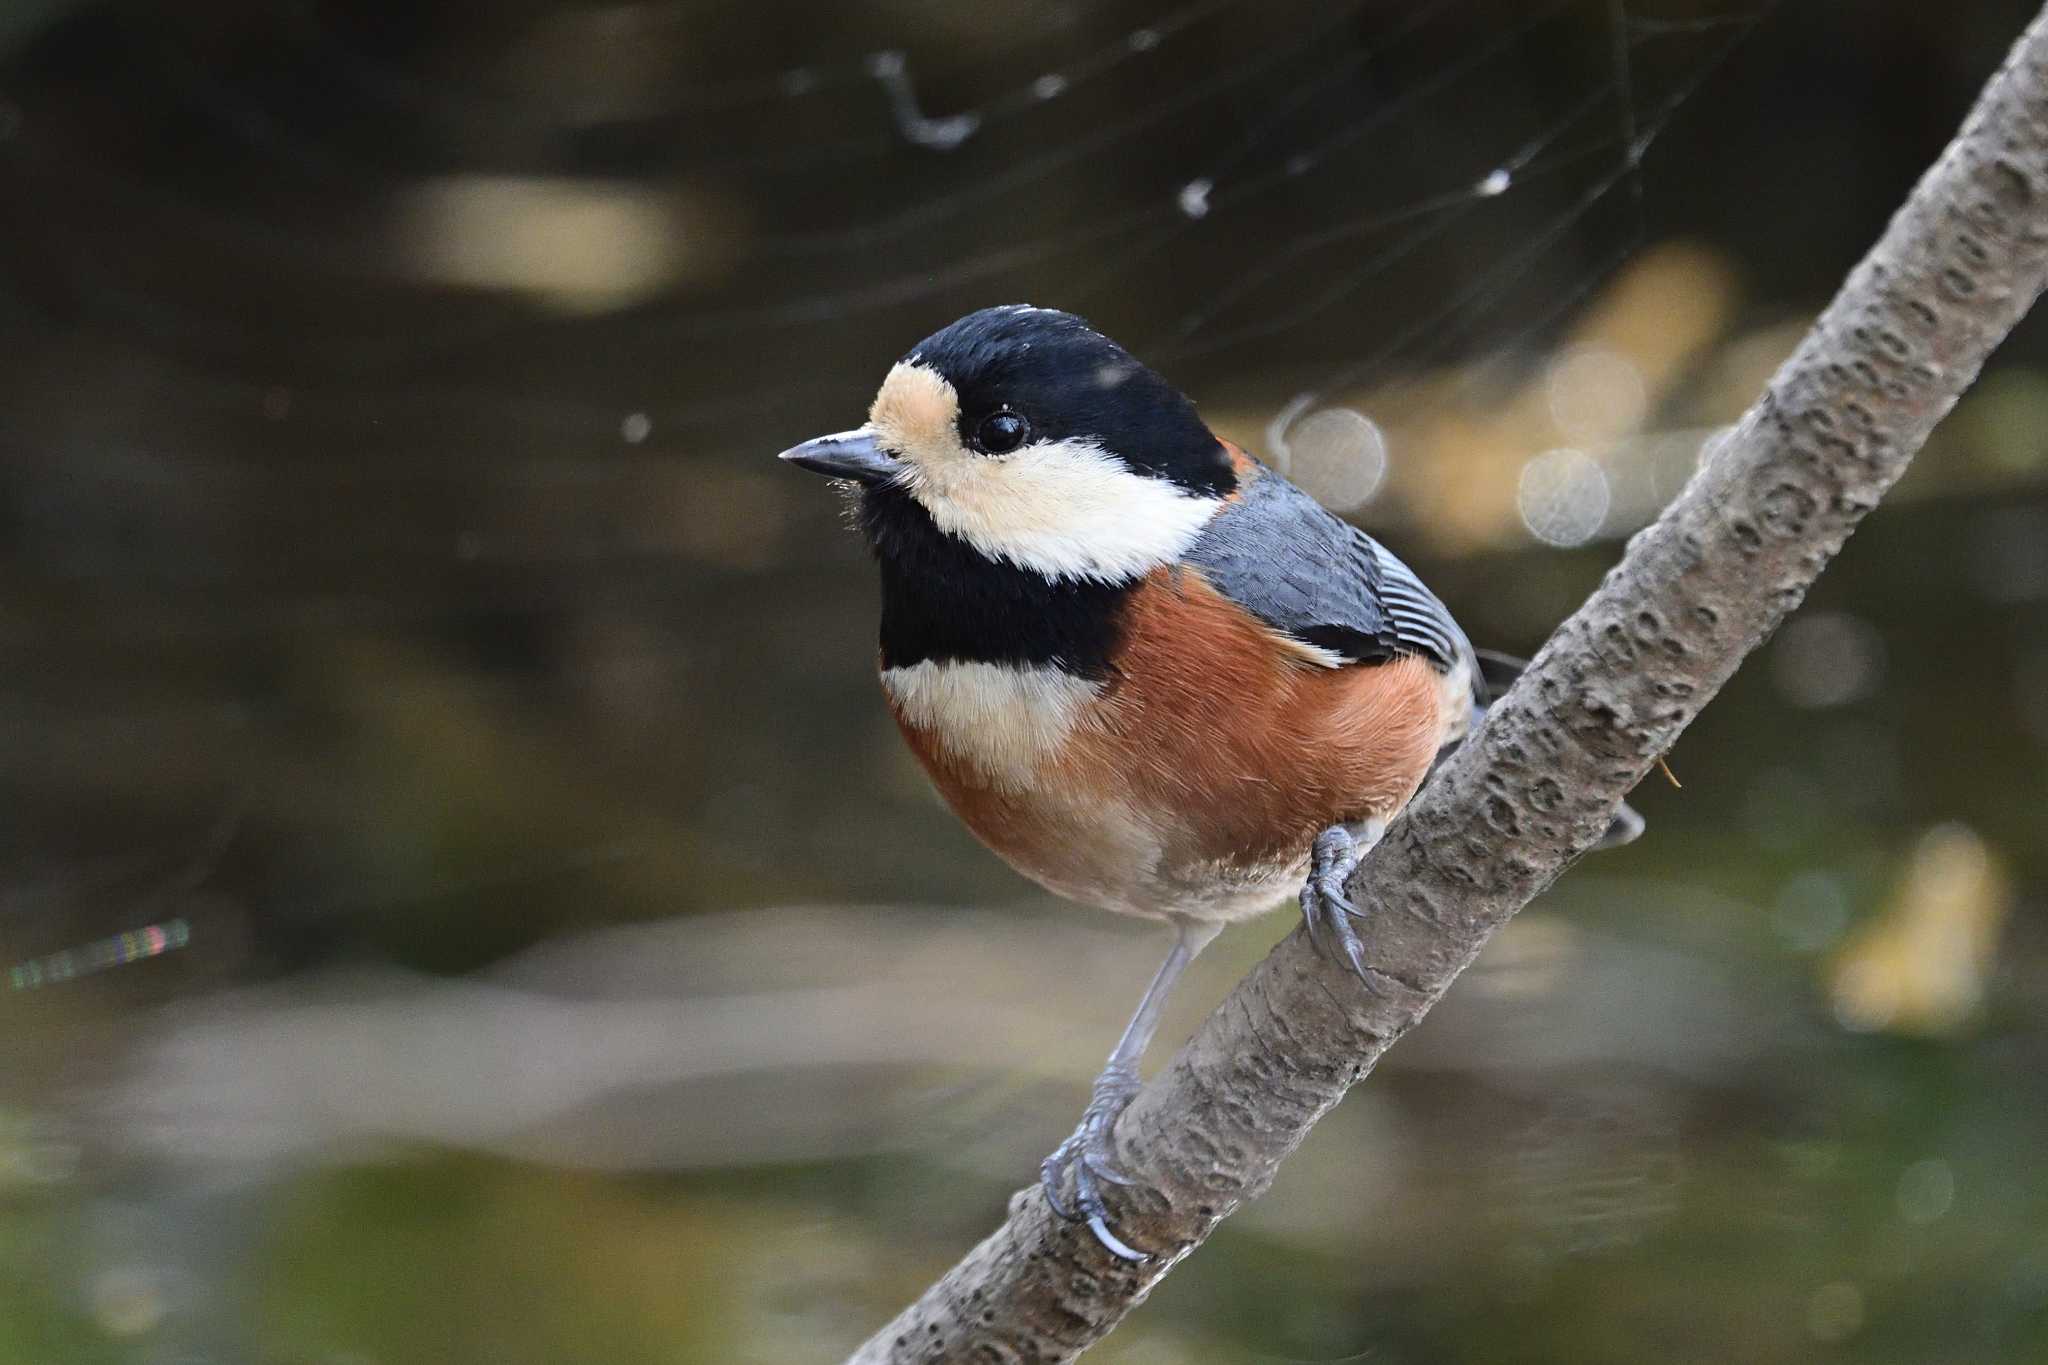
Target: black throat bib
[(945, 601)]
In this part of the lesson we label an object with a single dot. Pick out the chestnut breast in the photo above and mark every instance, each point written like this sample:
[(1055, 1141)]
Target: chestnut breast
[(1193, 778)]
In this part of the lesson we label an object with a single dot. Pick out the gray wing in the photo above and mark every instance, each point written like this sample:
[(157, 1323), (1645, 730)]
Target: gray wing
[(1278, 554)]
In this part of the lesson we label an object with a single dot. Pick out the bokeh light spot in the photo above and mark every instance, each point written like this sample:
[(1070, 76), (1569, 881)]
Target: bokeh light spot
[(128, 1301), (1339, 455), (1563, 497), (1927, 1190), (1827, 658)]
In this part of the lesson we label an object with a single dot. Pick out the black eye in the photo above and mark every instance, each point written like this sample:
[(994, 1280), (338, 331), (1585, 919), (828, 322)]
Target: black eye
[(1001, 432)]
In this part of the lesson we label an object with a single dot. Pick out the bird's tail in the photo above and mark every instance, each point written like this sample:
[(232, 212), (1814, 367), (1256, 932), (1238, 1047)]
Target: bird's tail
[(1496, 673)]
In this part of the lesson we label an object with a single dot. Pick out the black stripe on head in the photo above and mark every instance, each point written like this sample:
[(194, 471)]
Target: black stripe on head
[(941, 600), (1073, 383)]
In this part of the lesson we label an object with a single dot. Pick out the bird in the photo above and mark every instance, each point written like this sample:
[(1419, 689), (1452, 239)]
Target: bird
[(1145, 669)]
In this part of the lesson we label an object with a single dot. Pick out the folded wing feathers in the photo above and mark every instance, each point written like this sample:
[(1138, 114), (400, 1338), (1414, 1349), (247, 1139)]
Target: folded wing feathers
[(1422, 624), (1282, 556)]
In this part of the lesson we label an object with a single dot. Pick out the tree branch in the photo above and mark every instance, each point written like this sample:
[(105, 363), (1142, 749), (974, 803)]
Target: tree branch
[(1696, 592)]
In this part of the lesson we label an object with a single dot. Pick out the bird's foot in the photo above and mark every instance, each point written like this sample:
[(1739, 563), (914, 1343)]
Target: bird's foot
[(1090, 1154), (1325, 907)]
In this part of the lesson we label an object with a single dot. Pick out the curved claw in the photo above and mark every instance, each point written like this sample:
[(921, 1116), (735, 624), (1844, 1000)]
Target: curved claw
[(1354, 956), (1086, 1195), (1088, 1153), (1310, 919), (1111, 1243), (1326, 908), (1098, 1216), (1049, 1172), (1352, 951)]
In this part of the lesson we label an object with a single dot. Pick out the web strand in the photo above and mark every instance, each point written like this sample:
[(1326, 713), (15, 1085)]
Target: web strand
[(1283, 289)]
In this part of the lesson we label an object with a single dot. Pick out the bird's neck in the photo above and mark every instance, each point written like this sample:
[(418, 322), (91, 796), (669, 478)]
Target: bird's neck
[(943, 601)]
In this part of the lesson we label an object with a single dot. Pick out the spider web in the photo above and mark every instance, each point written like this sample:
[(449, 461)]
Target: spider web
[(366, 325), (1241, 196)]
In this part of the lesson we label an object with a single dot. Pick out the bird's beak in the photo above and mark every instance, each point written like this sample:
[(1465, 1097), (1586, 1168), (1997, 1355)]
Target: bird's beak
[(852, 455)]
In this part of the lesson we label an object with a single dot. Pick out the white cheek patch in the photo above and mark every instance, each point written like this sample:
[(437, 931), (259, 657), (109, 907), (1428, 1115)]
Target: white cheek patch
[(1002, 720), (1067, 509)]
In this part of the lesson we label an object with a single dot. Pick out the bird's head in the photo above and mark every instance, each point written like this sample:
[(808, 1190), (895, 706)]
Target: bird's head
[(1037, 442)]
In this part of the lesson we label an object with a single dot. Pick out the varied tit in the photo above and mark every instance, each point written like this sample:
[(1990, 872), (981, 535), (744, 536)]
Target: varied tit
[(1149, 672)]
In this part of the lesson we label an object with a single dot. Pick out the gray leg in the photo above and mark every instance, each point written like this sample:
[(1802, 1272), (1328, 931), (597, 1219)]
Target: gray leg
[(1325, 908), (1089, 1152)]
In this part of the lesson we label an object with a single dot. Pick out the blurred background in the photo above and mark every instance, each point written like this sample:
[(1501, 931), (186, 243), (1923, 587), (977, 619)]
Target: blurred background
[(461, 895)]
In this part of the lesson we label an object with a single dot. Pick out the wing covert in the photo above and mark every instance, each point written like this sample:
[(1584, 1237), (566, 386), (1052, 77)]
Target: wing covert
[(1280, 555)]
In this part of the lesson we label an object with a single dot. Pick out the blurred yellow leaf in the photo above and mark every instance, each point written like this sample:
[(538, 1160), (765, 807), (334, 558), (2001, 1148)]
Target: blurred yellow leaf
[(1919, 968)]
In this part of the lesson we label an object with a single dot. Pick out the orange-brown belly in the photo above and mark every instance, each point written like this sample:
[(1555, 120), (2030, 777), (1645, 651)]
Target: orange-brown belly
[(1194, 780)]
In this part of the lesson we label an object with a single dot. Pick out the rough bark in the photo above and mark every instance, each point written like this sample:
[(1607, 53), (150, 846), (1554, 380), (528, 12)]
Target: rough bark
[(1607, 695)]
